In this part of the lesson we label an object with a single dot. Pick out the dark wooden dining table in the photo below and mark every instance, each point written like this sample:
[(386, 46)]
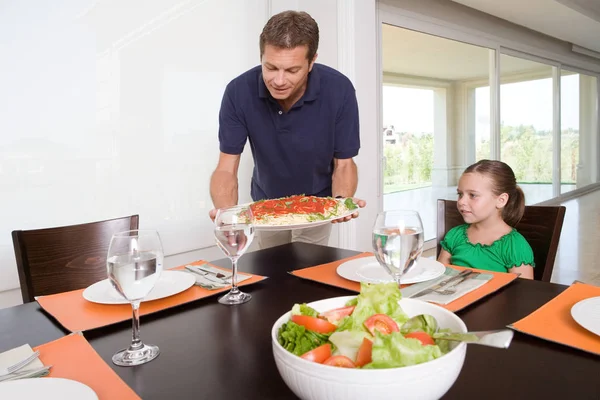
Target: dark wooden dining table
[(209, 350)]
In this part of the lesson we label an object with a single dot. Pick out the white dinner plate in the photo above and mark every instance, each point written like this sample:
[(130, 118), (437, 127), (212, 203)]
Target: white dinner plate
[(270, 227), (368, 269), (169, 283), (46, 389), (587, 314)]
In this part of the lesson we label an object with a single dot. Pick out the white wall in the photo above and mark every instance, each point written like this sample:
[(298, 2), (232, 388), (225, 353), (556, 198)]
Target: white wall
[(110, 108)]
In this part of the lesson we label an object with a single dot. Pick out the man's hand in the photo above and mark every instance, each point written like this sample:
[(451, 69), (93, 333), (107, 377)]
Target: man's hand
[(212, 214), (360, 203)]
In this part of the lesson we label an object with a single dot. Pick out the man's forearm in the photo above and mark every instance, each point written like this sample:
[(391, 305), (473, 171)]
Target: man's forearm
[(223, 189), (345, 178)]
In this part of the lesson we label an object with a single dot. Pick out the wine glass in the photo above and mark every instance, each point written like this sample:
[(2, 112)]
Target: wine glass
[(398, 241), (135, 262), (234, 232)]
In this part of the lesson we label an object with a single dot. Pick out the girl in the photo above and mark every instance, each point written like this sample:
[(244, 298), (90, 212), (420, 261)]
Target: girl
[(491, 204)]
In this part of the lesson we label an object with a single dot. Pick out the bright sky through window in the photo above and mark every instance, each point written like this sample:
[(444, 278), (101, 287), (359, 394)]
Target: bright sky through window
[(527, 103)]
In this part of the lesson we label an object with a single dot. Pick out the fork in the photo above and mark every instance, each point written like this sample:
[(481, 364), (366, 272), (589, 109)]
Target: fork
[(205, 273), (17, 366), (32, 373), (452, 288)]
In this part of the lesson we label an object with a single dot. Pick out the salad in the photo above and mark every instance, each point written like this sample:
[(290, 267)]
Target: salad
[(370, 332)]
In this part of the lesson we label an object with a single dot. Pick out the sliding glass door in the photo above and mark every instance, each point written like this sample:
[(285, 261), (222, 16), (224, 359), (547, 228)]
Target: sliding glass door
[(435, 115), (526, 124)]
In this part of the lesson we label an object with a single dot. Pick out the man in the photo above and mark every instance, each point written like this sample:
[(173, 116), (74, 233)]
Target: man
[(301, 119)]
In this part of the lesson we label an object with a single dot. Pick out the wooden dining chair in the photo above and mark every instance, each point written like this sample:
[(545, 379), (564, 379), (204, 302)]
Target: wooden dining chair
[(65, 258), (540, 225)]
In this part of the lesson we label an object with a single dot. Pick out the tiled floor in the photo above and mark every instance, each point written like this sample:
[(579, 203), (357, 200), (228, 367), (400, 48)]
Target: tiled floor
[(578, 255)]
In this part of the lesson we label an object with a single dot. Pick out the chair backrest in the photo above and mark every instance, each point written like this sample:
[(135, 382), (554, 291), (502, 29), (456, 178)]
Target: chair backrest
[(540, 225), (60, 259)]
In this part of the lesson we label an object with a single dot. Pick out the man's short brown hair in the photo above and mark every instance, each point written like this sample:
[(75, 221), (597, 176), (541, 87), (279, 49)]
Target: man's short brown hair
[(290, 29)]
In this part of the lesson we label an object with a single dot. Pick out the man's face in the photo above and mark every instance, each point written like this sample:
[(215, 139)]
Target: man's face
[(285, 71)]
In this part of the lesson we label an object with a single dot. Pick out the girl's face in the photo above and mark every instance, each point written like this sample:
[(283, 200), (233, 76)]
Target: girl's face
[(476, 201)]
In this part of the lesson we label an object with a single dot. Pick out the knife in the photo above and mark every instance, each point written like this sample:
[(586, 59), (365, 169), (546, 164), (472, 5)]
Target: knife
[(443, 283), (219, 273)]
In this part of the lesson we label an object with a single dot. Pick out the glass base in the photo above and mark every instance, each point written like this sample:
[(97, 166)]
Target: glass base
[(129, 358), (235, 296)]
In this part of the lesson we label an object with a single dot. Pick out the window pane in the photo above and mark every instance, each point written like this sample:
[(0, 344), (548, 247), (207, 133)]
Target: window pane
[(408, 137), (435, 118), (578, 164), (526, 108), (482, 126), (569, 131)]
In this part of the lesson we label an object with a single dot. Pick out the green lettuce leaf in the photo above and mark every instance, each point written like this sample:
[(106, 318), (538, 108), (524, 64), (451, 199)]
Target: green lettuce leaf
[(394, 350), (298, 340), (304, 309), (348, 342), (373, 299)]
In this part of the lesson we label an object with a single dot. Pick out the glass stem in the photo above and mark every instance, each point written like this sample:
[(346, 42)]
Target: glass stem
[(234, 287), (136, 342)]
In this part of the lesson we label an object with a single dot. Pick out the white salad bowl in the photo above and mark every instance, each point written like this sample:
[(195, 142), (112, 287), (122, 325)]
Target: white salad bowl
[(429, 380)]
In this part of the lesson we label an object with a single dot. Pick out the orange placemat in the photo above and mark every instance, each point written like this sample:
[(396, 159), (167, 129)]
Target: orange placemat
[(553, 320), (72, 357), (75, 313), (327, 273)]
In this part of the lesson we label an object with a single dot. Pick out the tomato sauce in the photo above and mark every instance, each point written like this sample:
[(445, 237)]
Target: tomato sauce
[(292, 205)]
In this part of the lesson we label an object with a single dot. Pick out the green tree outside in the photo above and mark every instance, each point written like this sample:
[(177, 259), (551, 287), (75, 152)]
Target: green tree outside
[(409, 162)]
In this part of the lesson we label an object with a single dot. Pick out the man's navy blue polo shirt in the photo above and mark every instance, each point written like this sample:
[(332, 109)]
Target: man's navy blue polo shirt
[(293, 152)]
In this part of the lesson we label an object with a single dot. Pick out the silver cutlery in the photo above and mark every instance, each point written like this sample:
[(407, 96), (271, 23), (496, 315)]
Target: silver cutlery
[(33, 373), (18, 365), (217, 280), (451, 289), (499, 338), (214, 271), (208, 273), (443, 283), (207, 282), (426, 323)]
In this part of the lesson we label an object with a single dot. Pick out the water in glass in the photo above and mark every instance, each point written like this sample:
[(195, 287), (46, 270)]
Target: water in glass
[(134, 264), (398, 241), (234, 231), (134, 275)]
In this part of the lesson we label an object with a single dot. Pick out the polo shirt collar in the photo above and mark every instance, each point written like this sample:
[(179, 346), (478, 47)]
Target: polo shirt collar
[(313, 87)]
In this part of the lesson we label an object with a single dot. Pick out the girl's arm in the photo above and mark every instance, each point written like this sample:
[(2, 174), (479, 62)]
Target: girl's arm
[(445, 258), (526, 271)]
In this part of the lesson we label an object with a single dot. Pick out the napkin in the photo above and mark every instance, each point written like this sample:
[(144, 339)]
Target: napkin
[(34, 369), (211, 282), (462, 288)]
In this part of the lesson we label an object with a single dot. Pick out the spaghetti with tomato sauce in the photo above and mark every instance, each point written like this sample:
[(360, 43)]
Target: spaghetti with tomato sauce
[(296, 209)]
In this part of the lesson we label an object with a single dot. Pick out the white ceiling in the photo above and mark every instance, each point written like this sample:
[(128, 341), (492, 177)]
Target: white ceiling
[(418, 54), (574, 21)]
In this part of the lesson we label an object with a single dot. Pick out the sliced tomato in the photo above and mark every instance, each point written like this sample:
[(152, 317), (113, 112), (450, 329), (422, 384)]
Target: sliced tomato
[(318, 354), (337, 313), (340, 361), (314, 324), (364, 353), (381, 323), (423, 337)]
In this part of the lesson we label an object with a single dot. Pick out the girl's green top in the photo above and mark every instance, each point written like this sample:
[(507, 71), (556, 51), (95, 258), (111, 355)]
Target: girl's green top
[(511, 250)]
